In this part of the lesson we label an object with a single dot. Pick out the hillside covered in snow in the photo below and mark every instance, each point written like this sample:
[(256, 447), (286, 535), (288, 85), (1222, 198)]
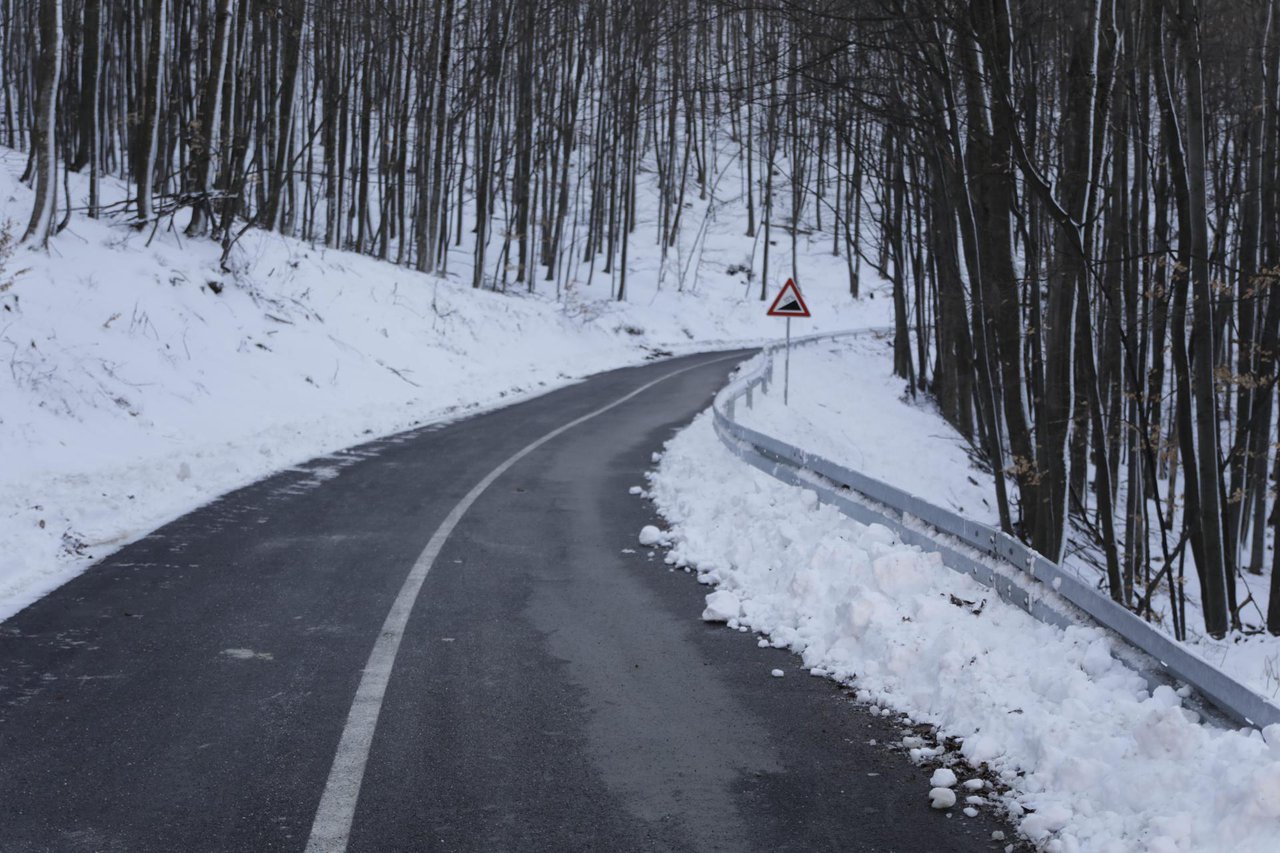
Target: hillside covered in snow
[(144, 378)]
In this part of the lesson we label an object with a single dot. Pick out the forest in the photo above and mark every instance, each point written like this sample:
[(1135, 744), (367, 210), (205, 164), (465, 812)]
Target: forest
[(1077, 204)]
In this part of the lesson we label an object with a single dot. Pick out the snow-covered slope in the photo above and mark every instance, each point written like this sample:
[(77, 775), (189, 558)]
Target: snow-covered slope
[(847, 406), (142, 380)]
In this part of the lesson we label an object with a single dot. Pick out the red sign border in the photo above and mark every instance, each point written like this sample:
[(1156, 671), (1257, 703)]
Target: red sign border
[(790, 285)]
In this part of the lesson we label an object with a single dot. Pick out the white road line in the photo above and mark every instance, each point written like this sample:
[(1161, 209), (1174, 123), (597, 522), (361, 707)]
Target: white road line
[(332, 825)]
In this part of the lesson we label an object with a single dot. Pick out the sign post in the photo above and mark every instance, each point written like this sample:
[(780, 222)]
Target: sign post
[(788, 304), (786, 367)]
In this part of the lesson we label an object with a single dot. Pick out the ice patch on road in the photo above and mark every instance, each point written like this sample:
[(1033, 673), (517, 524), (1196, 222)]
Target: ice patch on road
[(247, 654)]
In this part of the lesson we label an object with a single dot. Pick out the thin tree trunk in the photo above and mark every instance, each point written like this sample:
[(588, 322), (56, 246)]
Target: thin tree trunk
[(44, 132)]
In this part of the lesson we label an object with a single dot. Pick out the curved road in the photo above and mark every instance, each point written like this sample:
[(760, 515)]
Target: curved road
[(552, 689)]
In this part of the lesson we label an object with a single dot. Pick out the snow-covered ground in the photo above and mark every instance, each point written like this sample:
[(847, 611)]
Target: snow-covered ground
[(1084, 757), (143, 381), (847, 406)]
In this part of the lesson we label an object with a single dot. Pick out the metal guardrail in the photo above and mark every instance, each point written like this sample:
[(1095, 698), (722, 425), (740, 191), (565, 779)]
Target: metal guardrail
[(1015, 572)]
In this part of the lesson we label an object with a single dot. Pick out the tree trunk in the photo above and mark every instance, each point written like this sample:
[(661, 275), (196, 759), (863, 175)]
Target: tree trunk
[(148, 141), (209, 131), (1214, 594), (43, 137)]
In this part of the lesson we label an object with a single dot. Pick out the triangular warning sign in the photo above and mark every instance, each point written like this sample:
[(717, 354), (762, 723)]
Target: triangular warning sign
[(789, 302)]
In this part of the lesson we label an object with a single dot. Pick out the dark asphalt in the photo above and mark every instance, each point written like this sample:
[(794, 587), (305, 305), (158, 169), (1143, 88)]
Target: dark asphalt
[(552, 693)]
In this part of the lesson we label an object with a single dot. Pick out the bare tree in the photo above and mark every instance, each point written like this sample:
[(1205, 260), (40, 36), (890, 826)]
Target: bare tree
[(43, 138)]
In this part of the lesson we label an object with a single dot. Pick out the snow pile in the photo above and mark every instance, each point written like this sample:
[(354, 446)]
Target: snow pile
[(943, 778), (846, 405), (1092, 760), (942, 798), (141, 380), (650, 536), (722, 606)]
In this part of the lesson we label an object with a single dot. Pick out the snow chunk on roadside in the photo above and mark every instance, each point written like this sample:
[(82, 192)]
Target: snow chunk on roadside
[(943, 778), (942, 798), (722, 606), (650, 536), (1047, 820)]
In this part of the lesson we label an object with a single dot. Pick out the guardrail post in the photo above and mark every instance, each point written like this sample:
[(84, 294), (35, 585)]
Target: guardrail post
[(750, 388)]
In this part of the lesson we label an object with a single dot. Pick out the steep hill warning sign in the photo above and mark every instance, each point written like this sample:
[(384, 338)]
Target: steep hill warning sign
[(789, 302)]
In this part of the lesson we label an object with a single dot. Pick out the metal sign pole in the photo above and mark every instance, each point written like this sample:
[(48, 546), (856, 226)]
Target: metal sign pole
[(786, 370), (788, 304)]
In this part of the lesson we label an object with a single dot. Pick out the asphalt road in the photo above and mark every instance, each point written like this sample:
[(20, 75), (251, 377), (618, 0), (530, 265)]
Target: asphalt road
[(554, 688)]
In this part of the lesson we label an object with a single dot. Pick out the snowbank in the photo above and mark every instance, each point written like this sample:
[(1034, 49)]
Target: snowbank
[(1091, 760), (847, 406)]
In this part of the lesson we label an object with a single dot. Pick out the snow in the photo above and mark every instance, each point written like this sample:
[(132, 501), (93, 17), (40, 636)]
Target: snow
[(943, 778), (942, 798), (875, 426), (846, 405), (142, 380), (650, 536), (776, 673), (1088, 758), (247, 654), (722, 606)]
